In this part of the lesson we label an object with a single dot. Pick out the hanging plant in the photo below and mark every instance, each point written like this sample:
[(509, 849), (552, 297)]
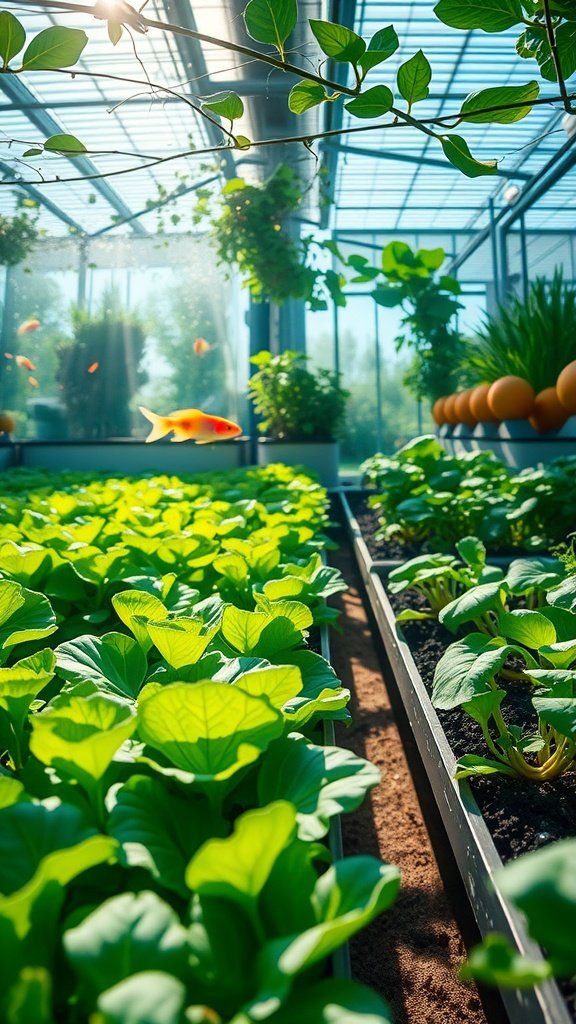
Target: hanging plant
[(17, 236), (251, 232)]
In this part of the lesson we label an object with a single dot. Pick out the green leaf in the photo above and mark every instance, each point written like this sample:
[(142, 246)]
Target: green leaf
[(382, 45), (559, 712), (114, 662), (24, 615), (68, 145), (54, 48), (338, 42), (527, 627), (179, 640), (500, 96), (149, 997), (134, 608), (373, 103), (496, 962), (414, 78), (19, 685), (278, 683), (333, 1001), (126, 934), (115, 30), (470, 765), (566, 45), (561, 655), (388, 297), (457, 152), (160, 829), (238, 867), (466, 669), (27, 565), (490, 16), (564, 595), (321, 782), (271, 21), (305, 95), (80, 735), (12, 36), (349, 895), (209, 729), (31, 831), (543, 885), (225, 104), (11, 792), (526, 574), (472, 605)]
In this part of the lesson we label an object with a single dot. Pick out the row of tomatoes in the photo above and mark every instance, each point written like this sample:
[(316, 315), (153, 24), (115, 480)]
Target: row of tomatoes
[(511, 398)]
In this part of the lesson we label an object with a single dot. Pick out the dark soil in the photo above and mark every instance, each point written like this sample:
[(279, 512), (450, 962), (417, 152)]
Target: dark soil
[(411, 953), (520, 815)]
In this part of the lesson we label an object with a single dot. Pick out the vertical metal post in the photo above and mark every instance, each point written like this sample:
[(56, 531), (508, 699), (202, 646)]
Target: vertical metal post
[(494, 247), (502, 235), (259, 334), (524, 259), (7, 326), (82, 266), (379, 425), (336, 328)]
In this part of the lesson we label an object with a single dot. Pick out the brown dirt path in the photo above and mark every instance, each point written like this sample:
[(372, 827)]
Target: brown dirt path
[(412, 952)]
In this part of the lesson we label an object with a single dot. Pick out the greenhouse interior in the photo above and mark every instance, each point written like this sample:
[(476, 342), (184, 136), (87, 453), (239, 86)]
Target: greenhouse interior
[(288, 707)]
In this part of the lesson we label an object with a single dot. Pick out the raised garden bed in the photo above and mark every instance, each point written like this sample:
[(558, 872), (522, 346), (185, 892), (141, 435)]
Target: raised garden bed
[(473, 845)]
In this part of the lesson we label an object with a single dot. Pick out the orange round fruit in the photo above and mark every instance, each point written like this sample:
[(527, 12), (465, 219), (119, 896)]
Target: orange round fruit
[(7, 424), (548, 412), (450, 411), (566, 387), (479, 405), (511, 398), (438, 411), (463, 410)]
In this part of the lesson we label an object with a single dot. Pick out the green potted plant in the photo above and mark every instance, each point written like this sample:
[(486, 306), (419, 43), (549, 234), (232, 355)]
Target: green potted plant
[(302, 413)]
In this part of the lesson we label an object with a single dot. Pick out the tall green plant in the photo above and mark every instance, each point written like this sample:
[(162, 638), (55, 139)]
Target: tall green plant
[(99, 370), (410, 281), (296, 404), (533, 338)]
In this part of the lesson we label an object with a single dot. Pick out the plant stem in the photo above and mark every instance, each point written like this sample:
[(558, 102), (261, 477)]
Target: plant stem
[(551, 33)]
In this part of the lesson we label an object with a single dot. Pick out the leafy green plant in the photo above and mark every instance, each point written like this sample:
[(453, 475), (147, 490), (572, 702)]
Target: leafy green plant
[(424, 495), (251, 231), (99, 372), (441, 578), (296, 404), (17, 236), (429, 302), (541, 885), (533, 338)]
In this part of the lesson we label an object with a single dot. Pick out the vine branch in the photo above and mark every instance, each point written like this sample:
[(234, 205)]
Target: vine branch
[(551, 33)]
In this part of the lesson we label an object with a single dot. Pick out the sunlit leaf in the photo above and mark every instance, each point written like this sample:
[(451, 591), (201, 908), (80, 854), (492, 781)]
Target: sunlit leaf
[(54, 47), (271, 21)]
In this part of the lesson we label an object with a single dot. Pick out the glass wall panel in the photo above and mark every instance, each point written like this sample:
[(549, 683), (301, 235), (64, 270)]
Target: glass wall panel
[(93, 330)]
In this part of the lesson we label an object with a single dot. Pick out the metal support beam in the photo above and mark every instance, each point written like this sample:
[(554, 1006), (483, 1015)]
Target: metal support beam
[(180, 12), (43, 200), (342, 12), (47, 125), (409, 158), (156, 206)]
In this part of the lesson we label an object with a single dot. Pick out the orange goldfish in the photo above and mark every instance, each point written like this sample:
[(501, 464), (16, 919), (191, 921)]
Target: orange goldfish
[(26, 363), (93, 367), (27, 326), (7, 424), (190, 425), (33, 382), (201, 347)]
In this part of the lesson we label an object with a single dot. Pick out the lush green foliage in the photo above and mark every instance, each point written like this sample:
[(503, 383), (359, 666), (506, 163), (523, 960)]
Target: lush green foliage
[(428, 496), (296, 404), (534, 338), (542, 885), (251, 231), (97, 402), (161, 775), (17, 236), (429, 301)]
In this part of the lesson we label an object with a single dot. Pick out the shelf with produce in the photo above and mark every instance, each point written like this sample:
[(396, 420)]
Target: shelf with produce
[(154, 666), (470, 839)]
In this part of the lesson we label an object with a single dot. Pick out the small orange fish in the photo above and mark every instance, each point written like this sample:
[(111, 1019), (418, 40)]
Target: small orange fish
[(201, 347), (190, 425), (7, 424), (33, 382), (93, 367), (26, 363), (8, 355), (27, 326)]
